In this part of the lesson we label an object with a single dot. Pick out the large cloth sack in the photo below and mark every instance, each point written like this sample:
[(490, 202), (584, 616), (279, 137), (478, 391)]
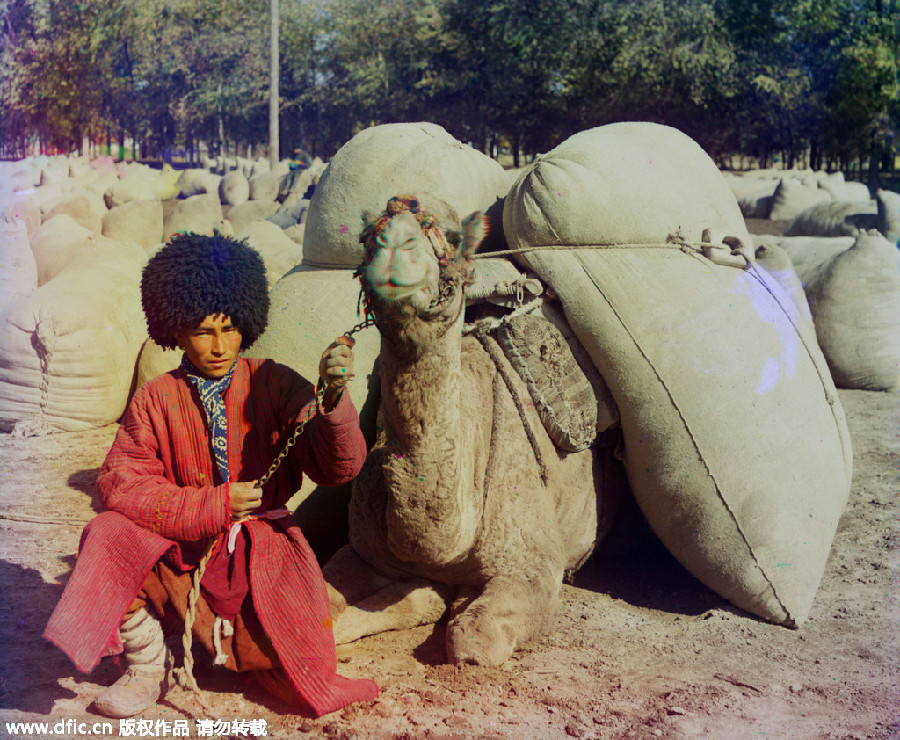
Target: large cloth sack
[(241, 216), (791, 198), (140, 221), (889, 215), (265, 186), (854, 297), (199, 214), (279, 252), (18, 271), (806, 252), (53, 244), (234, 189), (155, 360), (139, 183), (196, 182), (86, 208), (778, 264), (68, 352), (381, 162), (310, 307), (754, 194), (845, 192), (834, 218), (714, 378), (22, 206)]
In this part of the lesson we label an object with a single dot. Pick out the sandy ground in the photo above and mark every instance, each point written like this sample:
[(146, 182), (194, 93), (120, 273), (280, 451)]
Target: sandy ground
[(640, 649)]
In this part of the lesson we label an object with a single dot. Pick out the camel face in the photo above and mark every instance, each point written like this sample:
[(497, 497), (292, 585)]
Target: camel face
[(404, 266)]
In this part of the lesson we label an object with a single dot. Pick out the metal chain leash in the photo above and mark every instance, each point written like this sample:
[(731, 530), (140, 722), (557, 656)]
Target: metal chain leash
[(345, 338)]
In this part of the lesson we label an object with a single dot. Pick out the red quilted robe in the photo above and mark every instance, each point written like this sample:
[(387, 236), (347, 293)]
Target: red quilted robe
[(158, 488)]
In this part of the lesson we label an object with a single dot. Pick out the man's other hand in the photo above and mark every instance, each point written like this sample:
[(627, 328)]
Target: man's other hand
[(335, 369), (245, 499)]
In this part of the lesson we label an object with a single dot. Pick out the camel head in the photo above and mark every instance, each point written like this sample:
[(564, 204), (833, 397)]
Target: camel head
[(418, 261)]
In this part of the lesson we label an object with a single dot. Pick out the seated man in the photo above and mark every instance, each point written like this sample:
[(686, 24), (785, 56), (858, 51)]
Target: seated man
[(181, 480)]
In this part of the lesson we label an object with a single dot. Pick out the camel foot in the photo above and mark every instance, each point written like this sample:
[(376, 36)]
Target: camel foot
[(479, 641), (487, 629)]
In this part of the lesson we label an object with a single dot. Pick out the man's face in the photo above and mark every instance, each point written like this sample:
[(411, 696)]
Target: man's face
[(212, 346)]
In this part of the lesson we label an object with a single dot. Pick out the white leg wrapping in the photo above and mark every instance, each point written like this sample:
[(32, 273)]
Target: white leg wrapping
[(144, 681), (142, 639)]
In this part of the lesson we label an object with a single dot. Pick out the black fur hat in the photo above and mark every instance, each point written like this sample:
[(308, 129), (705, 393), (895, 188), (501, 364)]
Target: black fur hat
[(196, 276)]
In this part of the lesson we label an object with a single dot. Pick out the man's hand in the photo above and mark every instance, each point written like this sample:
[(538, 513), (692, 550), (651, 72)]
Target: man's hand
[(245, 499), (335, 369)]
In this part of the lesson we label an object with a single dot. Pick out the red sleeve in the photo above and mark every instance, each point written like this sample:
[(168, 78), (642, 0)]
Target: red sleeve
[(332, 449), (133, 482)]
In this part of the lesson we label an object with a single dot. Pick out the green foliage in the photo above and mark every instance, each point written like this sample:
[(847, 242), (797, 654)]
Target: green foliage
[(756, 77)]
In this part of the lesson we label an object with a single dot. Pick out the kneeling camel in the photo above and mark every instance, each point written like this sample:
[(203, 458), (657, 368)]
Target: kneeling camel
[(451, 508)]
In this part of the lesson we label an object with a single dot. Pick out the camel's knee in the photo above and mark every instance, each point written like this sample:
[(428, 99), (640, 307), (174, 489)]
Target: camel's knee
[(349, 579)]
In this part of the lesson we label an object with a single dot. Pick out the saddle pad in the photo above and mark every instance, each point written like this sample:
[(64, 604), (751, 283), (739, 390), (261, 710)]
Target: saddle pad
[(563, 393)]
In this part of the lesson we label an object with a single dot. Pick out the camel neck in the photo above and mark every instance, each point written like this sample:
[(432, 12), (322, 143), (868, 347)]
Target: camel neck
[(433, 508), (420, 393)]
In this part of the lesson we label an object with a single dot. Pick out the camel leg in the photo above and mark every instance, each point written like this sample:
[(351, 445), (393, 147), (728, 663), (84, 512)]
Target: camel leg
[(349, 579), (364, 602), (509, 611)]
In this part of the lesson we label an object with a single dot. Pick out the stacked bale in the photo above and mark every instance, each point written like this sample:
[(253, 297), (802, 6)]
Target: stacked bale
[(155, 360), (234, 189), (753, 194), (845, 192), (199, 214), (265, 186), (889, 215), (54, 243), (834, 218), (777, 263), (407, 157), (18, 204), (241, 216), (280, 253), (197, 182), (18, 270), (714, 378), (139, 222), (853, 289), (86, 208), (792, 197), (141, 183), (68, 350)]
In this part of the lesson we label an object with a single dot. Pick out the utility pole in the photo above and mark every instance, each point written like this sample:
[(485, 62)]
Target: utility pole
[(273, 86)]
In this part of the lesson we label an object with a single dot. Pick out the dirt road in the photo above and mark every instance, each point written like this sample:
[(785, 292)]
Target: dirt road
[(641, 649)]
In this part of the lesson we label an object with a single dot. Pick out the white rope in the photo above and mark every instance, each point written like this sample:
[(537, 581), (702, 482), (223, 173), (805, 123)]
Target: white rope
[(490, 325)]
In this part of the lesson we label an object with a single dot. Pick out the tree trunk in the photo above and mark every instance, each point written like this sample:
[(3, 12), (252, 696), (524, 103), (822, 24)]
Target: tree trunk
[(874, 178)]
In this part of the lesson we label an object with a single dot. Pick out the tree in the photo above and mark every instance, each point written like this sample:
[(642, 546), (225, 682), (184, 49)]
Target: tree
[(666, 61), (504, 66)]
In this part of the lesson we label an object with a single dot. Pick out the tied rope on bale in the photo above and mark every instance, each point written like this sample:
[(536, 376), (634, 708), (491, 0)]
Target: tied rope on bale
[(729, 251)]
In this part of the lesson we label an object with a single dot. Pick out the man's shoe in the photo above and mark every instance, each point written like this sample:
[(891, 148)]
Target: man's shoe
[(137, 690)]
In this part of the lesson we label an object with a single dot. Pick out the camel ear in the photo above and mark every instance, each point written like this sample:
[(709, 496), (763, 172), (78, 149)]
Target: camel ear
[(475, 228), (368, 221)]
